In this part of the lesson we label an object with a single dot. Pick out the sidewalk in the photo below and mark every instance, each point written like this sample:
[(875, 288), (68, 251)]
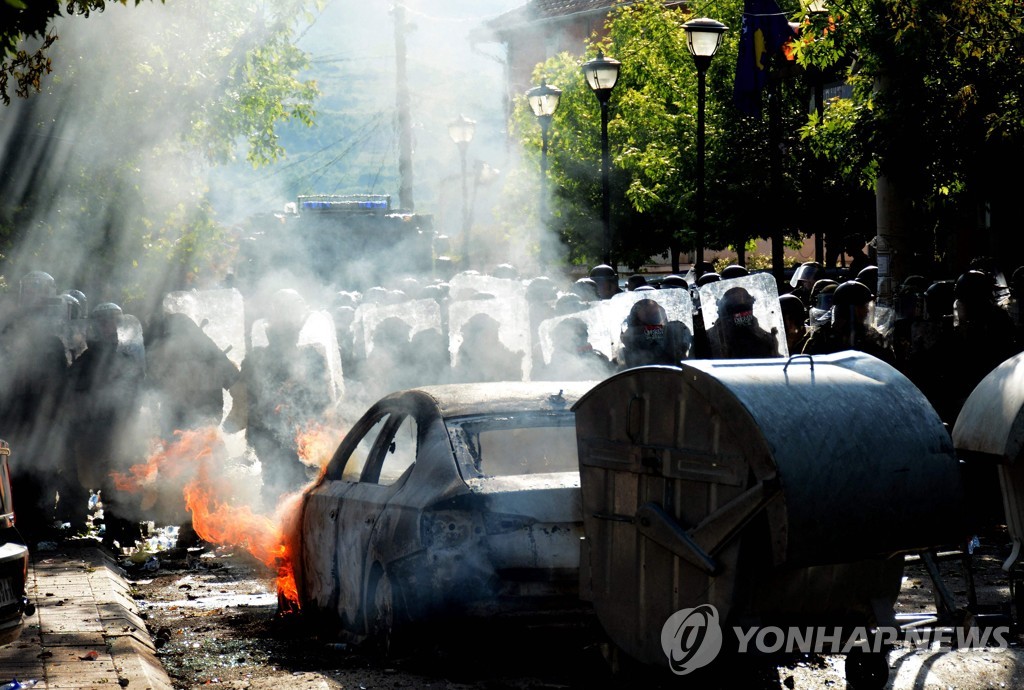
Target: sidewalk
[(86, 631)]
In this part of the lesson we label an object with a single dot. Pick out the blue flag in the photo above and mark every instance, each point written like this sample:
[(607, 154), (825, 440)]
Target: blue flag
[(763, 32)]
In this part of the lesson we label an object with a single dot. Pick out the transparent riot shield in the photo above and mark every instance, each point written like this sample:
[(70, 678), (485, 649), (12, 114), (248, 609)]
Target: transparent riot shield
[(130, 339), (489, 337), (419, 315), (467, 284), (743, 319), (605, 320), (220, 313), (318, 333)]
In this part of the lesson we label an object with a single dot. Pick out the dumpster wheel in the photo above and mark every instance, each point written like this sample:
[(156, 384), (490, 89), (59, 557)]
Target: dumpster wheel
[(867, 670)]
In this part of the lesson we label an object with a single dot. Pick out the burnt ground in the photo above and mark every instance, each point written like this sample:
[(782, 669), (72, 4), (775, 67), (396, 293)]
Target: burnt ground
[(213, 614)]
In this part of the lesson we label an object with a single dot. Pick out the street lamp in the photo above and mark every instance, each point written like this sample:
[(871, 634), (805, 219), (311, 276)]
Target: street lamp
[(544, 102), (461, 130), (703, 36), (602, 73)]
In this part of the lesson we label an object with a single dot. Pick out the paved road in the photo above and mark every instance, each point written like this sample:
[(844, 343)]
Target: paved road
[(86, 631)]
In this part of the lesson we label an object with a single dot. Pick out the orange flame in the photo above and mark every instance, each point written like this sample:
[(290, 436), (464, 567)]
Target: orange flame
[(316, 444), (200, 456), (170, 459), (262, 536)]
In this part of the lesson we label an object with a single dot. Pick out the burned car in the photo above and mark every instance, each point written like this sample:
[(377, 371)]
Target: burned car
[(14, 605), (444, 503)]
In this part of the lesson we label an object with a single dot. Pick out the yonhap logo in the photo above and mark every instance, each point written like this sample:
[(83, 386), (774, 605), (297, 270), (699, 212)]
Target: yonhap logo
[(691, 638)]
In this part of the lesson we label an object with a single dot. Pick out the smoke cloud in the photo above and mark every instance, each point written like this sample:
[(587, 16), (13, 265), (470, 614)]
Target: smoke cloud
[(114, 181)]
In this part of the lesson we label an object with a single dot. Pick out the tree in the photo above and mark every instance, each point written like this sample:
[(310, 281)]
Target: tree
[(937, 108), (23, 20), (653, 140), (102, 177)]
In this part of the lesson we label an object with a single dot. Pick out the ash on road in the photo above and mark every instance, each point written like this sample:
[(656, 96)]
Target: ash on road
[(213, 614)]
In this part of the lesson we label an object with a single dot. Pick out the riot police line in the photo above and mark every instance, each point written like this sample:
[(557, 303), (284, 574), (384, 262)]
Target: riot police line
[(86, 389)]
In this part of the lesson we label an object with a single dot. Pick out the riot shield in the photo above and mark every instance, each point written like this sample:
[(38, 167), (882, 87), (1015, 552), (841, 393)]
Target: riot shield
[(489, 337), (130, 340), (317, 333), (419, 315), (605, 320), (469, 283), (220, 313), (743, 319)]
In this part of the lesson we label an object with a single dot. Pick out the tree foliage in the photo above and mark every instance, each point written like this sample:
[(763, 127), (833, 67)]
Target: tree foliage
[(936, 107), (653, 137), (936, 104), (130, 133)]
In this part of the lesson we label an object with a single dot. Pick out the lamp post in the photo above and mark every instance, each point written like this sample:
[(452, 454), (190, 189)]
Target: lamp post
[(461, 130), (703, 36), (544, 102), (602, 73)]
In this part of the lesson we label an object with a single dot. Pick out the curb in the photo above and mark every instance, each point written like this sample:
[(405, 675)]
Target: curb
[(86, 631)]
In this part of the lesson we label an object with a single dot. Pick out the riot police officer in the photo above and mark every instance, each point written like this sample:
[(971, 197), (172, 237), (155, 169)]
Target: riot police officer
[(106, 383), (851, 327)]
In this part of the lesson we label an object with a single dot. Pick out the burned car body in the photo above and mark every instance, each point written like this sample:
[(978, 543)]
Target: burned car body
[(447, 502)]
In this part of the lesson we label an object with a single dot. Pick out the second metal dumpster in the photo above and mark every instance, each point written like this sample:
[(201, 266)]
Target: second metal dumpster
[(775, 490), (990, 430)]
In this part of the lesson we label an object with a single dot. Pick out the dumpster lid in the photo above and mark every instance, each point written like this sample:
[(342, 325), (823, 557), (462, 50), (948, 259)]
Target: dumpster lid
[(992, 420)]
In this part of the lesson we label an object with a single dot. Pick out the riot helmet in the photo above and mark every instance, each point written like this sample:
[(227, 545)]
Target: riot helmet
[(736, 307), (410, 286), (635, 281), (823, 299), (806, 274), (541, 289), (571, 335), (909, 301), (733, 271), (645, 324), (83, 303), (436, 292), (585, 289), (819, 287), (375, 295), (851, 304), (286, 313), (708, 278), (674, 281), (396, 297), (974, 287), (974, 291), (606, 280), (104, 321), (852, 293), (569, 303), (72, 306), (938, 299), (1017, 282), (507, 271), (36, 287), (868, 276), (791, 307)]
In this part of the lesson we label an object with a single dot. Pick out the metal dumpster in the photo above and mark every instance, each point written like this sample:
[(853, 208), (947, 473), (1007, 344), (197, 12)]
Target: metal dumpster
[(990, 430), (780, 491)]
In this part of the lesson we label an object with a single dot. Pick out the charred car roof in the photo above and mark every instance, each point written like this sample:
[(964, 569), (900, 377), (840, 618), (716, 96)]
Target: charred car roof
[(456, 400)]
